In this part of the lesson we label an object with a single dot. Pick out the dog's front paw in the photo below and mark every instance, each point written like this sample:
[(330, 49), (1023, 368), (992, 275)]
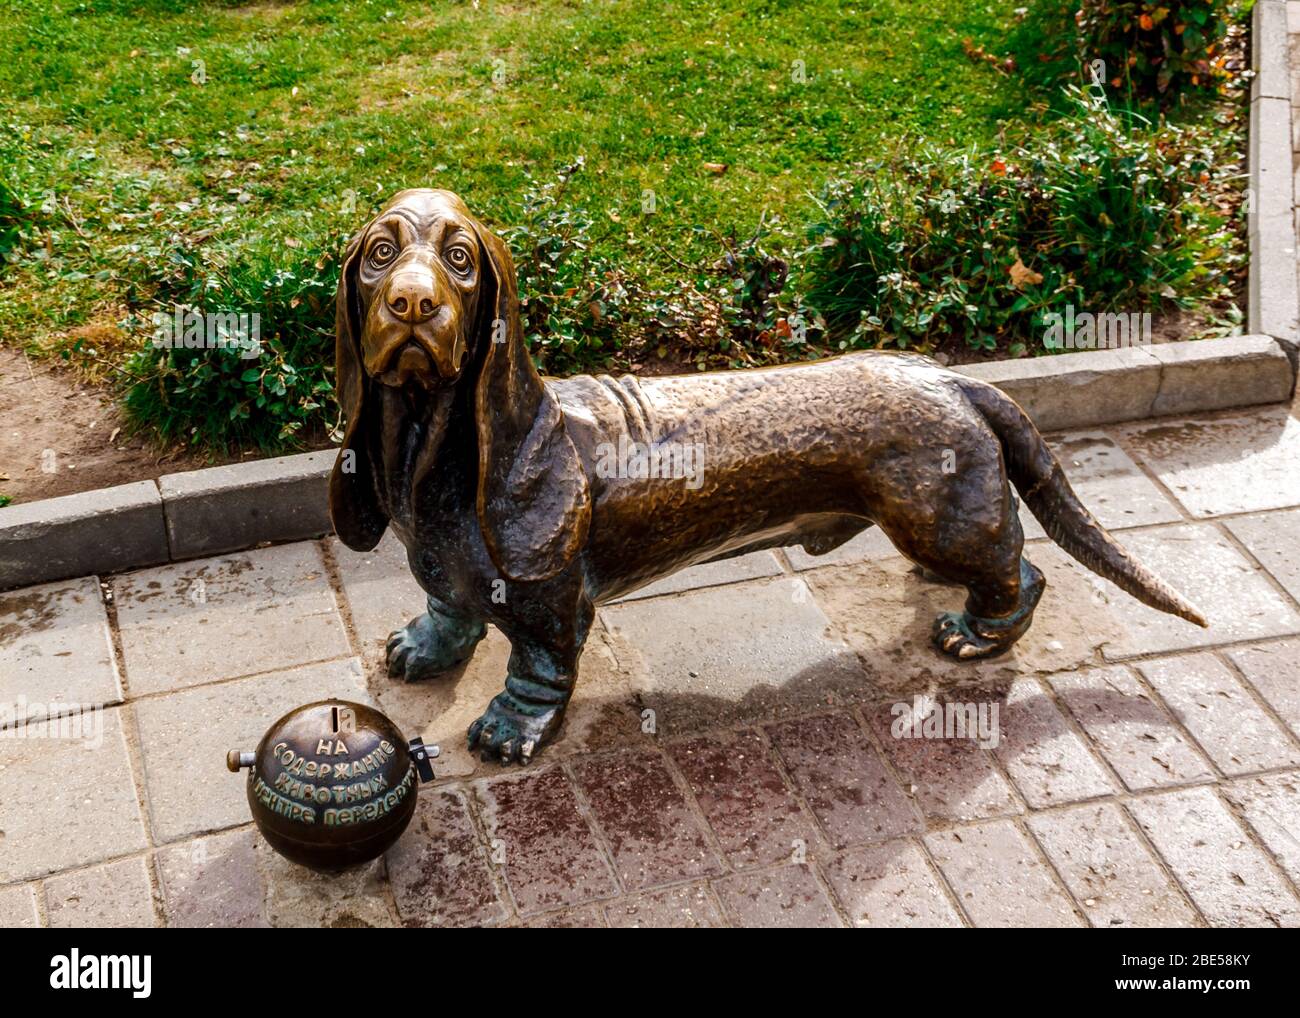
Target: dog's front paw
[(510, 730), (430, 645)]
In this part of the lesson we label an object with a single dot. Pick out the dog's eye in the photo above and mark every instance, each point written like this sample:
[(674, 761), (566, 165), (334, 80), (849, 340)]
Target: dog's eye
[(458, 258), (382, 253)]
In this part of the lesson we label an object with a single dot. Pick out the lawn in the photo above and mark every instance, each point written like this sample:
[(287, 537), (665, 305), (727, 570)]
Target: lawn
[(310, 113), (157, 142)]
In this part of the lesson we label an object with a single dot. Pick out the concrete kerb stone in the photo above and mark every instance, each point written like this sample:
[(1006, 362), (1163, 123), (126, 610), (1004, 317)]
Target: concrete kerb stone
[(230, 508)]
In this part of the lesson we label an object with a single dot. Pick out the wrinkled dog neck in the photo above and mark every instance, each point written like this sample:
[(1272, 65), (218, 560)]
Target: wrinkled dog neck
[(412, 438)]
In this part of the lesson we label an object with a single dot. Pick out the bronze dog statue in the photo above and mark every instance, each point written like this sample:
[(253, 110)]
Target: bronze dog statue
[(499, 483)]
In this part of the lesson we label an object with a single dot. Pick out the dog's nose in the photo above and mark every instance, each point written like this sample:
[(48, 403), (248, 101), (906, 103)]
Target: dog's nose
[(411, 298)]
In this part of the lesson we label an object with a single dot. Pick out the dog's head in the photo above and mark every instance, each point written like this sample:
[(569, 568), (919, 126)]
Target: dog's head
[(412, 280), (426, 304)]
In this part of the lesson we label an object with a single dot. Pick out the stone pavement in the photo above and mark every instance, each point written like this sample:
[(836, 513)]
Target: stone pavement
[(730, 755)]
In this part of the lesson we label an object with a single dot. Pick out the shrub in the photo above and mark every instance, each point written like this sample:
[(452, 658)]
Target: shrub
[(1153, 48), (1099, 209), (731, 307), (573, 301), (218, 399), (580, 306)]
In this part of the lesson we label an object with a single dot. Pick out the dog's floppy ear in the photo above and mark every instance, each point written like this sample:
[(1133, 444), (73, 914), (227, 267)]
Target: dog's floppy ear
[(358, 518), (534, 503)]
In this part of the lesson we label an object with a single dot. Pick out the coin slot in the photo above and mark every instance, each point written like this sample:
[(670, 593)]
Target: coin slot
[(334, 719)]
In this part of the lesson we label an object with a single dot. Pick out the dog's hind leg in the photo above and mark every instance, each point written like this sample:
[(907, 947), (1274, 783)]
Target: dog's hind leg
[(998, 612), (433, 643), (1003, 587)]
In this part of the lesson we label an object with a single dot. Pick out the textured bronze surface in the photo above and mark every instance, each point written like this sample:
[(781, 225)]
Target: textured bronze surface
[(331, 784), (525, 502)]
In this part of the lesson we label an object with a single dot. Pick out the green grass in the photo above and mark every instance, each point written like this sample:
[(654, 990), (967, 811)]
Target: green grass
[(162, 152), (135, 168)]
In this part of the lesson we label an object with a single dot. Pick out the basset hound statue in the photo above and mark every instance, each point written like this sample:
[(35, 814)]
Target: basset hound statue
[(501, 484)]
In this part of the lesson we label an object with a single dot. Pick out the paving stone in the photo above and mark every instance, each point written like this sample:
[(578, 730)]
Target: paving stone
[(214, 882), (1274, 539), (695, 659), (1228, 878), (56, 654), (194, 622), (786, 898), (540, 840), (299, 898), (1201, 563), (870, 545), (380, 591), (951, 778), (439, 874), (998, 878), (1271, 805), (18, 908), (1108, 869), (1046, 759), (1229, 465), (743, 796), (885, 611), (1274, 670), (889, 886), (116, 895), (645, 820), (68, 801), (754, 566), (843, 780), (184, 738), (1130, 728), (1108, 482), (1230, 726), (688, 907), (589, 917), (603, 713)]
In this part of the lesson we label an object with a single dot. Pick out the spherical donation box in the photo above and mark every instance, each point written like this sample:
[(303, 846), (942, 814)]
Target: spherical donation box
[(333, 784)]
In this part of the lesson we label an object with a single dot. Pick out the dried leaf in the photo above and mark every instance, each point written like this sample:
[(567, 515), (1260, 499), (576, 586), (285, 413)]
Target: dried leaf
[(1022, 275)]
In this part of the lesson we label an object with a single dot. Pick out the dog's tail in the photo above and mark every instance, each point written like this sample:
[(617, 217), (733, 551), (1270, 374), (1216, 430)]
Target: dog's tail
[(1038, 477)]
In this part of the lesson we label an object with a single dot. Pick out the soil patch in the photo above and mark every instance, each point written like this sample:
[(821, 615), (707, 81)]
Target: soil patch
[(59, 435)]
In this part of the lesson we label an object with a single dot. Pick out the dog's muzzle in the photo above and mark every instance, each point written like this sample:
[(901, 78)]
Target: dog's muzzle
[(413, 331)]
